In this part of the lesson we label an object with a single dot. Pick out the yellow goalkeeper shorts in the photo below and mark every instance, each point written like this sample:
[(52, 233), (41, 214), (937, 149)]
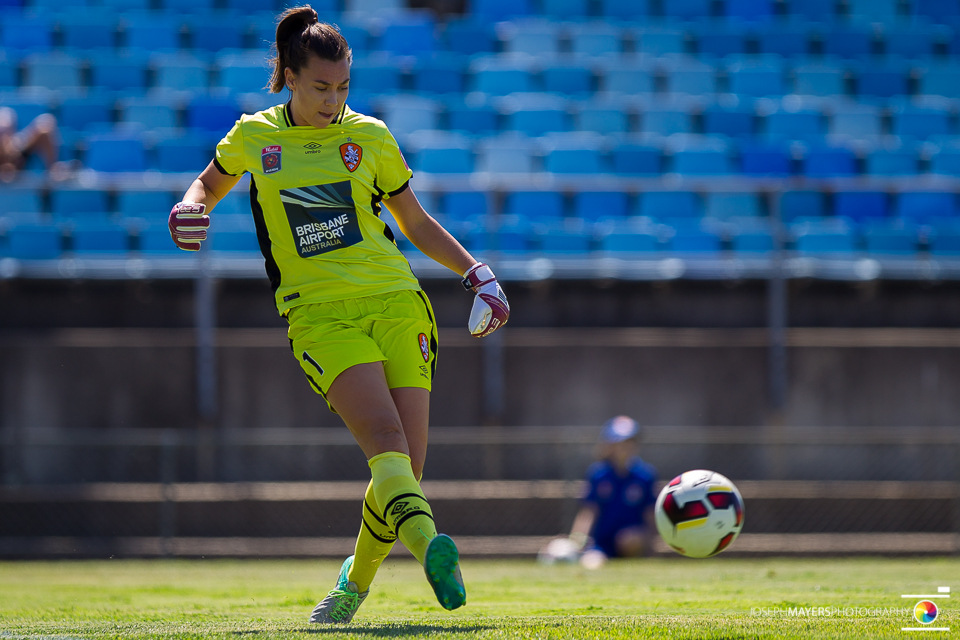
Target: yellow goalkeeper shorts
[(396, 328)]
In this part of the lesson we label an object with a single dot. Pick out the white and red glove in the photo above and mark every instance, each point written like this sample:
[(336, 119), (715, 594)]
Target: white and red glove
[(490, 308), (188, 225)]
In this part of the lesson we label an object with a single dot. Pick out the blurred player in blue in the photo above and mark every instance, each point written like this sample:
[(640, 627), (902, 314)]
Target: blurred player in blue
[(615, 519)]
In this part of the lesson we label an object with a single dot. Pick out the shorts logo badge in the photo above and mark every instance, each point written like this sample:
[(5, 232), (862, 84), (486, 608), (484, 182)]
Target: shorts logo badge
[(351, 154), (424, 347), (270, 158)]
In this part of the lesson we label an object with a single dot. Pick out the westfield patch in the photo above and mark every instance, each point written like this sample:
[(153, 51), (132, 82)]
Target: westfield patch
[(270, 158), (351, 153)]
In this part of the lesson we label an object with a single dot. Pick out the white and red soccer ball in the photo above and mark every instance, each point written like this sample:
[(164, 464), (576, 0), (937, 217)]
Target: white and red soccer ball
[(699, 513)]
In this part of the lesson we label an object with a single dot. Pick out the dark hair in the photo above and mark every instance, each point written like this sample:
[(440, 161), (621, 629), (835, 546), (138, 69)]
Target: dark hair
[(300, 33)]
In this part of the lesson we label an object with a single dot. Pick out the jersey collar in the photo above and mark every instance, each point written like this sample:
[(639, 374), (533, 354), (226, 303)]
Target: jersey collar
[(288, 114)]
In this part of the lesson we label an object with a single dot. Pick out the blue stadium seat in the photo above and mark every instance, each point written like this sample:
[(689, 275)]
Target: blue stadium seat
[(98, 237), (593, 39), (536, 114), (630, 241), (750, 10), (442, 73), (855, 121), (534, 205), (849, 41), (819, 79), (944, 240), (70, 203), (701, 159), (572, 79), (938, 79), (237, 203), (118, 71), (694, 77), (34, 241), (187, 154), (144, 204), (603, 118), (469, 36), (873, 11), (498, 10), (632, 158), (668, 204), (510, 235), (233, 240), (409, 35), (694, 240), (177, 7), (153, 238), (534, 38), (180, 72), (9, 70), (891, 238), (597, 205), (914, 42), (116, 152), (242, 73), (408, 113), (449, 157), (660, 41), (736, 120), (25, 32), (789, 40), (565, 9), (687, 9), (215, 32), (149, 32), (500, 77), (149, 113), (21, 202), (936, 10), (945, 160), (827, 161), (799, 124), (85, 112), (921, 122), (881, 81), (212, 114), (564, 238), (817, 241), (925, 206), (473, 116), (466, 204), (573, 158), (665, 118), (52, 71), (756, 77), (801, 204), (752, 240), (507, 153), (626, 77), (726, 205), (758, 158), (721, 39), (635, 10), (899, 161), (376, 73), (860, 206)]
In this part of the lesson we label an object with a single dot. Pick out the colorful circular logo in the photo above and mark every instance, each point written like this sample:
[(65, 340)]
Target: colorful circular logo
[(925, 612)]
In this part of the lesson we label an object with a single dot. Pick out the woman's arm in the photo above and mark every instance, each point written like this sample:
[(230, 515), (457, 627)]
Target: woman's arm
[(427, 234), (210, 187), (188, 221)]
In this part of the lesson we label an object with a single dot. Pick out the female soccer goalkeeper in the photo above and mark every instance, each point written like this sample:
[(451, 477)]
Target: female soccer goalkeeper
[(359, 324)]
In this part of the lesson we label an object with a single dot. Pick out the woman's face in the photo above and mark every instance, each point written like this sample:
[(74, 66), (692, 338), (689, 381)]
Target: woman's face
[(319, 90)]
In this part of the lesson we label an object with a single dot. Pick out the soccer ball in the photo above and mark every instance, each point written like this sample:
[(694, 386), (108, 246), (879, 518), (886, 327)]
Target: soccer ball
[(699, 513)]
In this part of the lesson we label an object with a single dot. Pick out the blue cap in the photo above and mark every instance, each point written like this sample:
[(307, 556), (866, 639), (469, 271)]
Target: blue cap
[(620, 428)]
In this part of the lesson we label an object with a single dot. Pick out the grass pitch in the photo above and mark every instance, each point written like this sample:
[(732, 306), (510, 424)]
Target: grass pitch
[(722, 598)]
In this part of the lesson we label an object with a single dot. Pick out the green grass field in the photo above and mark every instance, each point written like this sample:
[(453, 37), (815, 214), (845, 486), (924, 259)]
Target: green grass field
[(657, 598)]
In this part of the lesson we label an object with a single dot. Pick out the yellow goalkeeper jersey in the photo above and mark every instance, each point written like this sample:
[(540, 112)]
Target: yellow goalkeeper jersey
[(315, 196)]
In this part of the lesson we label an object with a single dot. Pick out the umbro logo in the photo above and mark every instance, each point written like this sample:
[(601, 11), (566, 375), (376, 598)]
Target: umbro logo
[(399, 508), (312, 147)]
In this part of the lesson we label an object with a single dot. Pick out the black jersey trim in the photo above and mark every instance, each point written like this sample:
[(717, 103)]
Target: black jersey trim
[(400, 190), (288, 114), (341, 115), (263, 237), (220, 168)]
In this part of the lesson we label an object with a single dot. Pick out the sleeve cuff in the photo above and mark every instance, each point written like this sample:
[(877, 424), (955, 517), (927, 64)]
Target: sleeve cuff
[(220, 168)]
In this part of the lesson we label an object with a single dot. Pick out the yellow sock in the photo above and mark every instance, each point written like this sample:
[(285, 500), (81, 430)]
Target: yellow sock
[(374, 542), (405, 509)]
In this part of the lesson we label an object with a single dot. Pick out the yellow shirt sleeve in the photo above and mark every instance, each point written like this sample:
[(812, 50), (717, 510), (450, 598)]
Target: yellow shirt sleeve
[(229, 155), (392, 170)]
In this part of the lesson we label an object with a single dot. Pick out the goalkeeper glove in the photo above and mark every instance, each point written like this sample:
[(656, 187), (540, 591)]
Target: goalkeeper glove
[(490, 307), (188, 225)]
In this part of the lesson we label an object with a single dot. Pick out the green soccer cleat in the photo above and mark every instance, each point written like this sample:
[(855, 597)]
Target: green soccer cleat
[(442, 566), (341, 602)]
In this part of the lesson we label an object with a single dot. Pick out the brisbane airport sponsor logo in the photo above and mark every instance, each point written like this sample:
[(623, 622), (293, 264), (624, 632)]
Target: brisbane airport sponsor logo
[(270, 158), (322, 218), (312, 147)]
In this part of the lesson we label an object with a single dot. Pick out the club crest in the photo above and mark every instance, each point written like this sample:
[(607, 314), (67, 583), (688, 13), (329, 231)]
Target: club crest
[(424, 347), (351, 154), (270, 158)]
